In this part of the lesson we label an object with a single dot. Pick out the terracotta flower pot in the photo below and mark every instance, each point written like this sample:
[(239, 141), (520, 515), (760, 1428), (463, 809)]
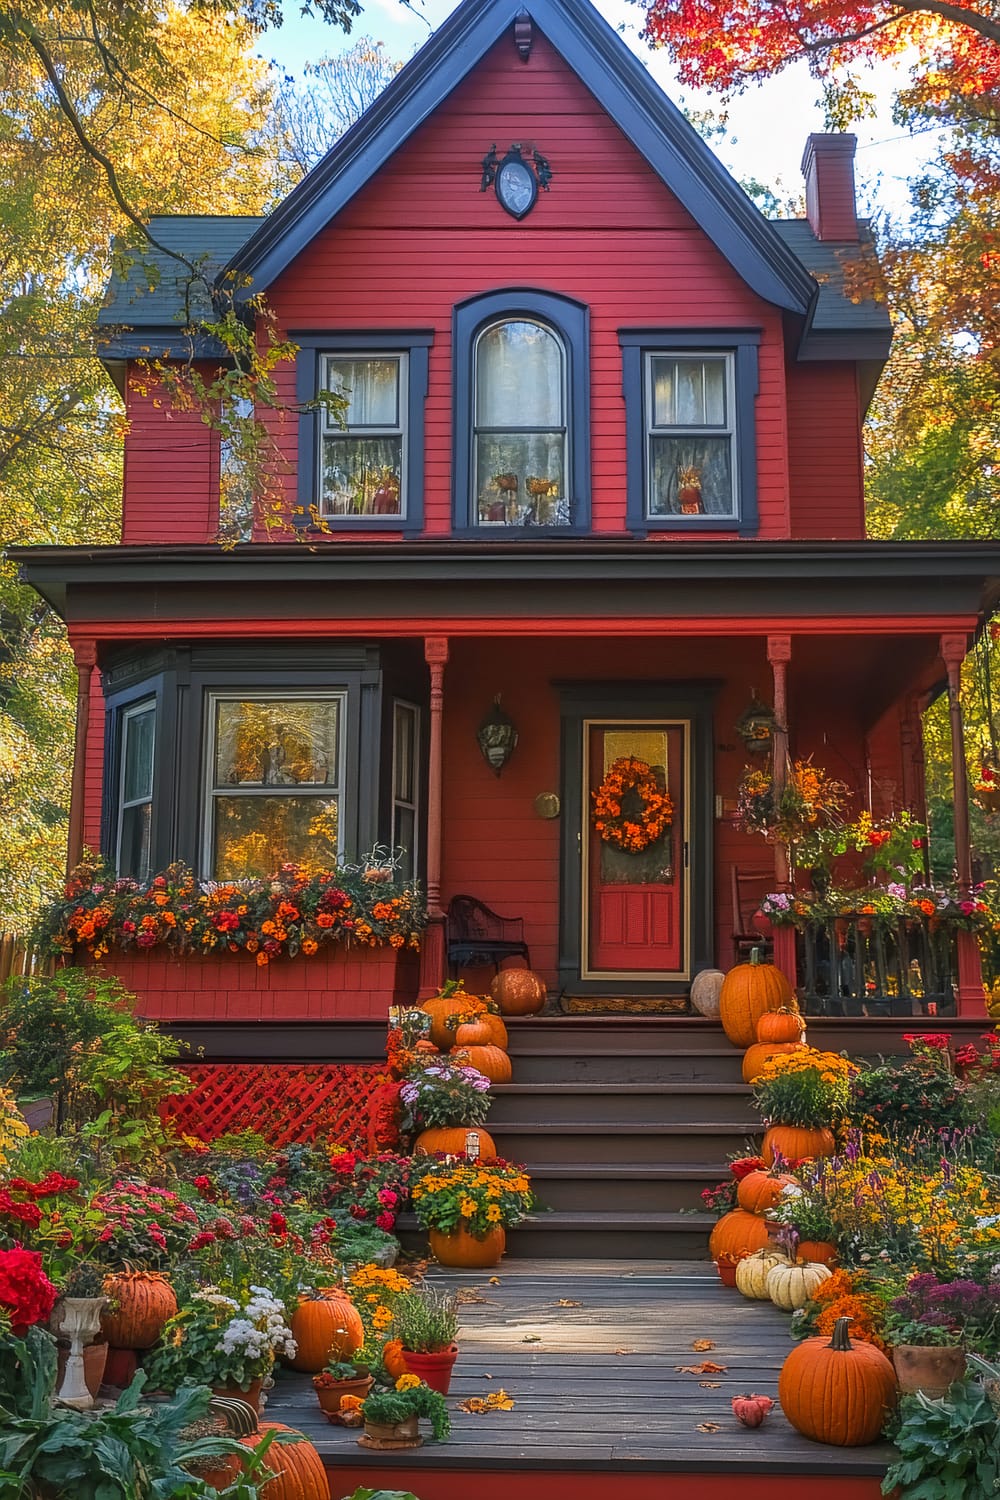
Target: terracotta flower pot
[(930, 1368), (251, 1396), (433, 1367), (120, 1368), (330, 1396), (460, 1248), (727, 1272), (388, 1435)]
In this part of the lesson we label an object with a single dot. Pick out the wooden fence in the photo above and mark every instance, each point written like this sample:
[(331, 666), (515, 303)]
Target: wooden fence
[(16, 957)]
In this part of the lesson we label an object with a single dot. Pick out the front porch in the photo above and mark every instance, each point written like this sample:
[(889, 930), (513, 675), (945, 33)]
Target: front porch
[(589, 1351)]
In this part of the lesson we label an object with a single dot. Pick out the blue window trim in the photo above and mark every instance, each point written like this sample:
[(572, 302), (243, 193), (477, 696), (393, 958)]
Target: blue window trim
[(312, 347), (743, 344), (571, 321)]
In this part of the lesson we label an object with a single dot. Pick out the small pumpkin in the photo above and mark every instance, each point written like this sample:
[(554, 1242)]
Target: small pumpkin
[(486, 1030), (327, 1327), (835, 1391), (737, 1234), (781, 1025), (817, 1252), (392, 1358), (752, 1273), (491, 1061), (756, 1057), (796, 1143), (705, 990), (139, 1304), (444, 1011), (296, 1469), (449, 1140), (751, 1410), (748, 991), (760, 1191), (518, 992), (790, 1286)]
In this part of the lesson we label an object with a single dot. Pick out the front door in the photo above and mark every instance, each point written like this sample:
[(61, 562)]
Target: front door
[(634, 845)]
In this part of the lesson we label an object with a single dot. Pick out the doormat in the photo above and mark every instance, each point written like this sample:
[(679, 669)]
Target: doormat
[(628, 1005)]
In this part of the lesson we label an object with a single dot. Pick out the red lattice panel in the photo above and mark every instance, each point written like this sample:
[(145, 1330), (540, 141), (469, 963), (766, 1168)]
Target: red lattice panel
[(283, 1102)]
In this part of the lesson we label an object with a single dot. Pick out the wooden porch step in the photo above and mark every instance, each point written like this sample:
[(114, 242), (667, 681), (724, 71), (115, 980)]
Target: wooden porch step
[(621, 1141), (680, 1103), (617, 1235), (635, 1187), (639, 1064)]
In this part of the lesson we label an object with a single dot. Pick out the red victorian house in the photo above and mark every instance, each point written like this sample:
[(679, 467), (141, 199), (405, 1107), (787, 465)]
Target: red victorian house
[(600, 459)]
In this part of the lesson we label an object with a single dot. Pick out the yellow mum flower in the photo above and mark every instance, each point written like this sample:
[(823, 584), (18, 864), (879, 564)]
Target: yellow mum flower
[(407, 1382), (493, 1213)]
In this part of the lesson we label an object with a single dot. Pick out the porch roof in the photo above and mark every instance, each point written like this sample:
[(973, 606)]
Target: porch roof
[(441, 584)]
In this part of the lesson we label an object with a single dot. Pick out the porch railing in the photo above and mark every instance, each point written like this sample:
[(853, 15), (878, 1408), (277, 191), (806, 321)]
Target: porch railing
[(857, 965)]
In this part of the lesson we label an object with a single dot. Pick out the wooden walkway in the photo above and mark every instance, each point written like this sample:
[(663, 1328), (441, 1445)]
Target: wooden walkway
[(589, 1352)]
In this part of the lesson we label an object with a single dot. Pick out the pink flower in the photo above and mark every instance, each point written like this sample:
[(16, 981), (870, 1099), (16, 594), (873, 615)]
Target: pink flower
[(385, 1220)]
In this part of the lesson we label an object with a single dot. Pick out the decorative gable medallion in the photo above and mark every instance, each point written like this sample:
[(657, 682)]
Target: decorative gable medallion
[(515, 181)]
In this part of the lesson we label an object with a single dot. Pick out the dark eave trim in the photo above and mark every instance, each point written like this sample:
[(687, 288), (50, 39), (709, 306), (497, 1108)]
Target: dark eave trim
[(618, 81)]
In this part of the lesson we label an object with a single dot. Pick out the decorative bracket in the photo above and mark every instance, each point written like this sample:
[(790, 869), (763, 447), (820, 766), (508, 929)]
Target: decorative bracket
[(523, 34)]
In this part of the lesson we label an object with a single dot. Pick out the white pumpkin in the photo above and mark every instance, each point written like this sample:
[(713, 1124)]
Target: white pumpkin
[(705, 993), (752, 1273), (790, 1287)]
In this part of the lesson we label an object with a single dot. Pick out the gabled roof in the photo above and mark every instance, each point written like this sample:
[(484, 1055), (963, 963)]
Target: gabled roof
[(151, 288), (618, 81)]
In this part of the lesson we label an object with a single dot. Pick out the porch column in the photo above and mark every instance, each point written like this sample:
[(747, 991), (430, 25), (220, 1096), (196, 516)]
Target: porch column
[(779, 654), (971, 1001), (433, 966), (85, 656)]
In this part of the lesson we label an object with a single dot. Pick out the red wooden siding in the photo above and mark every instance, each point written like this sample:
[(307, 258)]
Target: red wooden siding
[(824, 452), (171, 469), (93, 788)]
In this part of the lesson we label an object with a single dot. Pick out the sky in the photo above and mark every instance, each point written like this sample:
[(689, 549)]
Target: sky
[(767, 125)]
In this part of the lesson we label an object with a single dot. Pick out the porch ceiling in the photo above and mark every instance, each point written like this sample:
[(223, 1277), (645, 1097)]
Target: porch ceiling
[(469, 588)]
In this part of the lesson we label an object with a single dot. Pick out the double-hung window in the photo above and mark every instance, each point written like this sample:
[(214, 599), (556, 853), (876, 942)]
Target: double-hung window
[(361, 430), (405, 783), (520, 427), (690, 430), (275, 782), (135, 791)]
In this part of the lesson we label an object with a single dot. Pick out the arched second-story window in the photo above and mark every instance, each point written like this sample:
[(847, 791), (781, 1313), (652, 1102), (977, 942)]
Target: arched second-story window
[(522, 459), (520, 425)]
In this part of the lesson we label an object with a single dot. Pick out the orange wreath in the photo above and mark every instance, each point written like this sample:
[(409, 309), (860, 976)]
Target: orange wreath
[(631, 833)]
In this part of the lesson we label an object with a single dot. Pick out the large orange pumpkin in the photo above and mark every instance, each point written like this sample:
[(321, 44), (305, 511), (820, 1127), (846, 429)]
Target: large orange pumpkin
[(518, 992), (486, 1030), (297, 1470), (444, 1011), (837, 1392), (796, 1142), (737, 1234), (325, 1327), (760, 1191), (491, 1061), (139, 1303), (747, 992), (450, 1140), (816, 1252), (781, 1025), (756, 1058)]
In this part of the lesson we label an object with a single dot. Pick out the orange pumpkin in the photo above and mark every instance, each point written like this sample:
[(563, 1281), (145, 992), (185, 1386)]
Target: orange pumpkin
[(760, 1191), (835, 1391), (796, 1142), (450, 1140), (139, 1303), (781, 1025), (444, 1011), (491, 1061), (816, 1253), (756, 1057), (486, 1030), (392, 1358), (738, 1234), (297, 1470), (518, 992), (462, 1249), (325, 1327), (747, 992)]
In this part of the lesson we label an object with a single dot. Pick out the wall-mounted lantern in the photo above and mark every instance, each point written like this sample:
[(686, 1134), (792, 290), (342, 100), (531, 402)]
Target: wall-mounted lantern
[(497, 736)]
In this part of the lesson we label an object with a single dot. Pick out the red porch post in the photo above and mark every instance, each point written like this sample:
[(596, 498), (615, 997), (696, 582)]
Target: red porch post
[(85, 655), (779, 654), (971, 1001), (432, 952)]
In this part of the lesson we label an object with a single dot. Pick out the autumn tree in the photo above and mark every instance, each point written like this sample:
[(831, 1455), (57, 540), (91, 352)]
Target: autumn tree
[(334, 93)]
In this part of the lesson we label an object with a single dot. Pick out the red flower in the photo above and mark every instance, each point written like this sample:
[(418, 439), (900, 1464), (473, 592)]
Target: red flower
[(385, 1220), (25, 1290), (277, 1223), (25, 1213), (226, 921), (204, 1186), (206, 1237), (745, 1165)]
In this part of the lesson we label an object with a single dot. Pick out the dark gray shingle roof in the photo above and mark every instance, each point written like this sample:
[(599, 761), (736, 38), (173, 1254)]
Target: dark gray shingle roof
[(152, 290), (825, 260)]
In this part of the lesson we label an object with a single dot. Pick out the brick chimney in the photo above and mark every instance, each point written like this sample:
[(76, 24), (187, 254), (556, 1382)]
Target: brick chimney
[(828, 168)]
